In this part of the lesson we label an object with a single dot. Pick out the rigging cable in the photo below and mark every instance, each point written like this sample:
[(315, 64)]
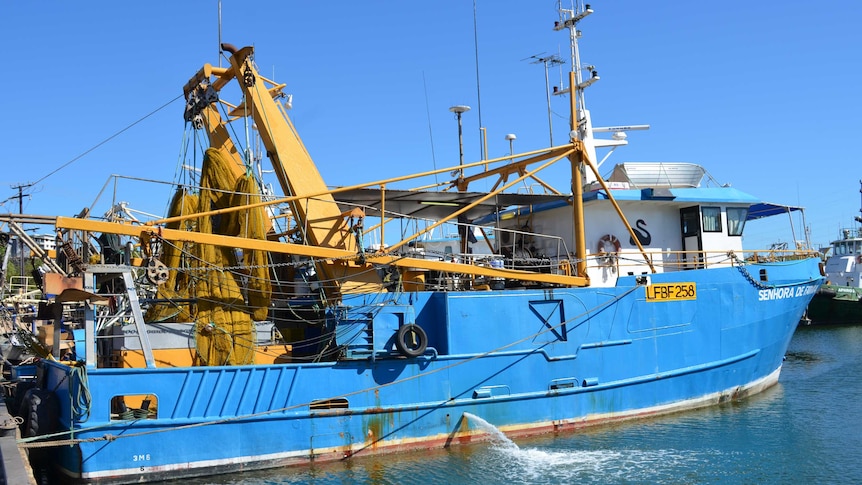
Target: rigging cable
[(106, 140), (430, 132)]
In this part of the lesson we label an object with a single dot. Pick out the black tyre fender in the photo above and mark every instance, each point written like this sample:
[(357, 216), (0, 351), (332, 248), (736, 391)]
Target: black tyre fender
[(18, 401), (42, 412), (411, 340)]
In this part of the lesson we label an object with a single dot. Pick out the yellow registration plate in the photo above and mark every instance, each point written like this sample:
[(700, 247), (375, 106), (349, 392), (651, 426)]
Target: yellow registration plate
[(671, 292)]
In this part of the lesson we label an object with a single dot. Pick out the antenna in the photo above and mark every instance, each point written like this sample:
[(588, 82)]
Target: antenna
[(580, 117), (478, 92), (859, 219), (220, 51), (430, 132), (551, 60), (459, 110)]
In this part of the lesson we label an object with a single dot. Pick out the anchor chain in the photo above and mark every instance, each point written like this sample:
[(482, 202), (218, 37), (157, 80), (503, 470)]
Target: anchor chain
[(740, 265)]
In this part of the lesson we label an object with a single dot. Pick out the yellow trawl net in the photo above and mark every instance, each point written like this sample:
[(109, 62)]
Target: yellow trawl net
[(178, 284), (252, 224), (224, 330)]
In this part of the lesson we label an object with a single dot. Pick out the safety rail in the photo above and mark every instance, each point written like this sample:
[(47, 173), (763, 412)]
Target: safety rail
[(633, 262), (22, 289), (618, 263), (21, 284)]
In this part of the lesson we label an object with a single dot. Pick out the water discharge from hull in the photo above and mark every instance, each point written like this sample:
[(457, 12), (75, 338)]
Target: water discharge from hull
[(497, 436), (569, 465)]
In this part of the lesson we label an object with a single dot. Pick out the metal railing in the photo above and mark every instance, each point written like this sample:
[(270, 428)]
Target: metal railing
[(666, 261)]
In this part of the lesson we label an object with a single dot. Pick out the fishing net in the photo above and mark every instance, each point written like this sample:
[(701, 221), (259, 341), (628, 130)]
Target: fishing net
[(252, 224), (224, 322), (172, 293)]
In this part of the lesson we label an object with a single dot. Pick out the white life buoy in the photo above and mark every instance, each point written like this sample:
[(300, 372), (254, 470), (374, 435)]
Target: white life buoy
[(608, 249)]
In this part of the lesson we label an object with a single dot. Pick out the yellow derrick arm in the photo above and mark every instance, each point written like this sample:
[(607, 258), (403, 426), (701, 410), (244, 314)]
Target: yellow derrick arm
[(211, 119), (347, 258), (318, 216), (519, 167), (220, 140), (293, 166), (556, 153), (487, 196), (313, 205)]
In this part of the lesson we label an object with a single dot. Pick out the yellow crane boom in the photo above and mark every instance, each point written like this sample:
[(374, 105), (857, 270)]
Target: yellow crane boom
[(319, 219)]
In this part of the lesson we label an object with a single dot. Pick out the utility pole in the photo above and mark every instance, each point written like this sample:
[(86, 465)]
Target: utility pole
[(20, 197)]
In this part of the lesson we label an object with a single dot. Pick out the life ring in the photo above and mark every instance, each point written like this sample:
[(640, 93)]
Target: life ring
[(411, 340), (608, 249)]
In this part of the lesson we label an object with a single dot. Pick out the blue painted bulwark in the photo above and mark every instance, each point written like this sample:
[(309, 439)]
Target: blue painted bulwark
[(509, 365)]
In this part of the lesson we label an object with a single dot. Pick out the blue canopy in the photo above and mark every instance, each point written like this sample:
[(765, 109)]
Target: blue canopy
[(766, 209)]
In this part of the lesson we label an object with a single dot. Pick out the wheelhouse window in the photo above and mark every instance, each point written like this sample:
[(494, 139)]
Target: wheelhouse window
[(736, 220), (845, 247), (711, 219)]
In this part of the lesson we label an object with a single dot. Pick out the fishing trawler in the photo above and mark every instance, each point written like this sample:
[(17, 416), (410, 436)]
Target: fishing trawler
[(252, 330), (839, 300)]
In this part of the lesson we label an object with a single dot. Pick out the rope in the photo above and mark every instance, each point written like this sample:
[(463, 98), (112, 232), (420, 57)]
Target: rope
[(79, 394)]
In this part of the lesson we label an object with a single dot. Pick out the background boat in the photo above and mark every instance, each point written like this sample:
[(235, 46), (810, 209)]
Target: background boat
[(839, 300)]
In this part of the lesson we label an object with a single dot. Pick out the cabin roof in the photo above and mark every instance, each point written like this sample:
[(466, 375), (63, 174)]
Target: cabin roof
[(757, 208), (437, 205)]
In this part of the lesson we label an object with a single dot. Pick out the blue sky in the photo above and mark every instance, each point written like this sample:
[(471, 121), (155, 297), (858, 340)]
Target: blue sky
[(766, 95)]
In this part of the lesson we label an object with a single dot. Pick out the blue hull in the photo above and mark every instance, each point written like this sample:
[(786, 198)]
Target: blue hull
[(527, 361)]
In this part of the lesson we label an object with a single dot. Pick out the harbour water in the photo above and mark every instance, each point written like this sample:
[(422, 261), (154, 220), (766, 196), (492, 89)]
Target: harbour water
[(804, 430)]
